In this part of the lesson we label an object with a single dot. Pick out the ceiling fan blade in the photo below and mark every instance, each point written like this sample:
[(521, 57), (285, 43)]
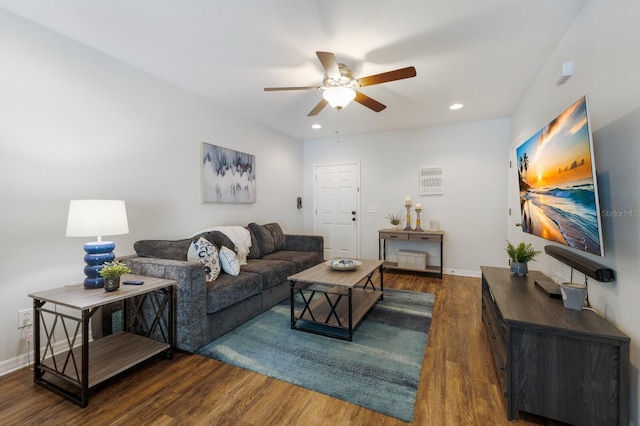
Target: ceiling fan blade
[(370, 103), (330, 64), (398, 74), (316, 110), (276, 89)]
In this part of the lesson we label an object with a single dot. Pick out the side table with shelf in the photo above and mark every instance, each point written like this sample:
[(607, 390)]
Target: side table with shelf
[(73, 370), (415, 236)]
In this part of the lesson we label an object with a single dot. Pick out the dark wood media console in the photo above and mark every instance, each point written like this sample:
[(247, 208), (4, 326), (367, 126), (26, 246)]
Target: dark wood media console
[(571, 366)]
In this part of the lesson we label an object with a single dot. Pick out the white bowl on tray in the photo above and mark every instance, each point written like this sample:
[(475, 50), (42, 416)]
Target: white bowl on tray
[(343, 264)]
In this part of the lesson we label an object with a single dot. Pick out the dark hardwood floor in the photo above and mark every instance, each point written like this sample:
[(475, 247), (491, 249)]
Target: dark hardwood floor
[(458, 384)]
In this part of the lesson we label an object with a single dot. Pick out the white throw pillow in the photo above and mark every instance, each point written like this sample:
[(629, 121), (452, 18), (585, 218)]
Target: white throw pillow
[(229, 261), (206, 253)]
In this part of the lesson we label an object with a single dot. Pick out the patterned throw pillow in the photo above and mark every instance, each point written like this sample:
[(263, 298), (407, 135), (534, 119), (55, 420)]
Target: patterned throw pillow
[(206, 253), (229, 261)]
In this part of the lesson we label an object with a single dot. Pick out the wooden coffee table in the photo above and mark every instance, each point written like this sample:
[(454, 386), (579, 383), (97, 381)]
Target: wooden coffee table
[(334, 302)]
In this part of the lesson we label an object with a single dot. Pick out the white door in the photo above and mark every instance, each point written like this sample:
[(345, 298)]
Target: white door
[(337, 215)]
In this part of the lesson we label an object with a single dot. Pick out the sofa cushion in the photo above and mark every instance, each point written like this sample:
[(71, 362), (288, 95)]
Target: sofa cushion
[(279, 240), (206, 253), (254, 250), (273, 272), (265, 241), (178, 249), (228, 290), (217, 238), (314, 243), (229, 261), (302, 259), (269, 237)]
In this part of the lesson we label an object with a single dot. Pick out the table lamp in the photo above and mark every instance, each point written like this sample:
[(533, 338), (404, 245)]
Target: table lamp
[(89, 218)]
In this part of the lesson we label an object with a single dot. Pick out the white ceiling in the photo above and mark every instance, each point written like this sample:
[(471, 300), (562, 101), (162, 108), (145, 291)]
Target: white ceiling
[(484, 54)]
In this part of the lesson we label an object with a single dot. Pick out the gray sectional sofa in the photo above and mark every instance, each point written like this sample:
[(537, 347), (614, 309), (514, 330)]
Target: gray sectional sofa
[(207, 310)]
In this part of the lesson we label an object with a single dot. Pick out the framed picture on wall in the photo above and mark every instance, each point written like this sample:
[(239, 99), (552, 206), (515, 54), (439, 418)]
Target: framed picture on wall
[(431, 181), (228, 176)]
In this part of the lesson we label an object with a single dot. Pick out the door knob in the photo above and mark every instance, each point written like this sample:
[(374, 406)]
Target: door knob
[(353, 219), (353, 212)]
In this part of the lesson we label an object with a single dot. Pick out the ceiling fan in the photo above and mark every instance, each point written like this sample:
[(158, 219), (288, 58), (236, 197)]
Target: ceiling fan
[(339, 86)]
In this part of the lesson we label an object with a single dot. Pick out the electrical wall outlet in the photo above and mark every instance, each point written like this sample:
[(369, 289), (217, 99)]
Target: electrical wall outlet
[(24, 318)]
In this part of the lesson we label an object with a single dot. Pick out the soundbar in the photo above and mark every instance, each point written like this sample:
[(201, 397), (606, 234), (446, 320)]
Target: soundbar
[(588, 267)]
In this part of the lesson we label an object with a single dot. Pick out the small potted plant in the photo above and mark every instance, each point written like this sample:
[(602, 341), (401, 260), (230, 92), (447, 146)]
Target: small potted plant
[(394, 220), (520, 255), (111, 272)]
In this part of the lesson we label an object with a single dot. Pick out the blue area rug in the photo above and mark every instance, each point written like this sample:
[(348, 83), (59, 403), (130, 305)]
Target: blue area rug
[(379, 369)]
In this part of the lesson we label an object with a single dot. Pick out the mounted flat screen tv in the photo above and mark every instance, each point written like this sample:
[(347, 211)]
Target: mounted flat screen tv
[(557, 182)]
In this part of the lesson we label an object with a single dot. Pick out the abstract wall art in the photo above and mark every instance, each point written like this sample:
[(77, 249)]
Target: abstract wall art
[(228, 176)]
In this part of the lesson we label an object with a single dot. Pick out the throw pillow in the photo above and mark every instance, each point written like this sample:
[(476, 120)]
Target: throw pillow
[(216, 237), (254, 250), (220, 240), (264, 238), (279, 240), (206, 253), (229, 261)]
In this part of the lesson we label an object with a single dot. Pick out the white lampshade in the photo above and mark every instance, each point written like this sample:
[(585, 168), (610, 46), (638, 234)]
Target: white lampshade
[(339, 97), (96, 218)]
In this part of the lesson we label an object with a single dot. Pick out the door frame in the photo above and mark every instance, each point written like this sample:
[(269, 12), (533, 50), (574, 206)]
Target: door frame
[(358, 210)]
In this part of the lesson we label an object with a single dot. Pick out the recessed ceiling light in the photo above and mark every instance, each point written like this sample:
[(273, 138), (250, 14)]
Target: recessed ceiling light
[(456, 106), (316, 126)]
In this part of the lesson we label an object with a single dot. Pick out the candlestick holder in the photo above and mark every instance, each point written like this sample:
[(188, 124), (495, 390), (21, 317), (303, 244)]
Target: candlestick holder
[(418, 228), (408, 227)]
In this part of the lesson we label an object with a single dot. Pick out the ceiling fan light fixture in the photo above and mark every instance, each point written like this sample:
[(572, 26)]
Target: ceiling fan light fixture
[(339, 97)]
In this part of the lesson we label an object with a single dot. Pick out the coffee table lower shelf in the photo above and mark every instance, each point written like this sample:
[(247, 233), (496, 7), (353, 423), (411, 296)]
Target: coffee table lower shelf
[(335, 312)]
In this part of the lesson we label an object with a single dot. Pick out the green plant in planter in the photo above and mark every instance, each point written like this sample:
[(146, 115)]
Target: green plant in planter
[(113, 270), (394, 219), (520, 255)]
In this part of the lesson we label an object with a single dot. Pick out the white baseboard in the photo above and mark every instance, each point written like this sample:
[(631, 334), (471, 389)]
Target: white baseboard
[(15, 364), (463, 273), (26, 360)]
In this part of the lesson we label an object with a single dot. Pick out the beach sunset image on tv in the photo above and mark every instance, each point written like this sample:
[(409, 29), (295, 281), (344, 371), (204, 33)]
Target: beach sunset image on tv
[(558, 188)]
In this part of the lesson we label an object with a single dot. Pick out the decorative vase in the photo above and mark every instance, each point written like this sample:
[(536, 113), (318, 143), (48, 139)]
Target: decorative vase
[(111, 284), (519, 268)]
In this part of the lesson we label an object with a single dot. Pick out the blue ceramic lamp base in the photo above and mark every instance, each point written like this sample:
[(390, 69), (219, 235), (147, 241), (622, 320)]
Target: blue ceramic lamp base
[(98, 252)]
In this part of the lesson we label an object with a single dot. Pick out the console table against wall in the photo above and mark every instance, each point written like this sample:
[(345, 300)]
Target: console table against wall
[(571, 366), (416, 236)]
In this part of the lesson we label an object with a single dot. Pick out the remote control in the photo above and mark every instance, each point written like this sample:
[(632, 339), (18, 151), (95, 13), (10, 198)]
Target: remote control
[(133, 282)]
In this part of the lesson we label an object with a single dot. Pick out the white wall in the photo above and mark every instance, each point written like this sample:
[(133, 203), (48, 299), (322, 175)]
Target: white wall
[(603, 44), (78, 124), (474, 157)]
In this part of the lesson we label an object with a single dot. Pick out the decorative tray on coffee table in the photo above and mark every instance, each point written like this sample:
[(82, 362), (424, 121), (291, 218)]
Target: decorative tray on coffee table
[(343, 264)]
